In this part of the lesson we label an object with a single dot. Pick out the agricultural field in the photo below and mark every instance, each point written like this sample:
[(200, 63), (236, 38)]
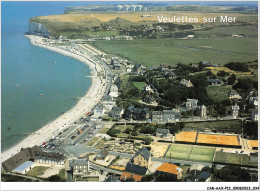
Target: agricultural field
[(190, 153), (151, 52), (232, 158), (218, 93)]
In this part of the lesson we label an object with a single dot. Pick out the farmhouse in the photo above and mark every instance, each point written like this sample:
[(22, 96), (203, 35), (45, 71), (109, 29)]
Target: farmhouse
[(170, 168), (165, 116)]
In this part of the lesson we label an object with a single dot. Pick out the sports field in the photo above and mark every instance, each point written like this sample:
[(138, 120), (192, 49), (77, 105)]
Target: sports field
[(186, 137), (218, 139), (252, 144), (190, 153), (233, 158)]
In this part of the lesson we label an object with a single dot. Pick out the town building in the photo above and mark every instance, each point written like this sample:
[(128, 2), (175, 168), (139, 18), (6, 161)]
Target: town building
[(116, 112), (190, 36), (201, 111), (125, 176), (191, 104), (170, 74), (234, 95), (186, 83), (136, 113), (163, 67), (165, 116), (140, 162), (25, 154), (253, 101), (215, 82), (162, 133), (254, 114), (102, 155), (108, 104), (137, 69), (24, 168), (50, 158), (80, 166), (235, 110), (113, 91), (203, 177), (206, 64), (149, 99), (113, 178), (147, 88), (98, 113), (172, 169)]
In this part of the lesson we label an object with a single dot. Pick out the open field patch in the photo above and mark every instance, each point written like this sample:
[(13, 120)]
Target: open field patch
[(233, 158), (190, 153), (151, 52)]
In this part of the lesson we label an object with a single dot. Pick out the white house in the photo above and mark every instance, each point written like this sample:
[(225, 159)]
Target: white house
[(24, 168)]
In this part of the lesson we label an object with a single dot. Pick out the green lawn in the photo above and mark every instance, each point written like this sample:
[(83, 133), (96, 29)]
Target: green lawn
[(190, 153), (139, 85), (62, 173), (92, 141), (37, 171), (233, 158), (172, 51), (218, 93)]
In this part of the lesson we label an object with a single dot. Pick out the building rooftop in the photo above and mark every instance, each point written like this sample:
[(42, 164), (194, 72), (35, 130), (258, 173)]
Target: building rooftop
[(252, 144), (169, 168), (144, 152), (136, 168), (126, 175), (23, 166)]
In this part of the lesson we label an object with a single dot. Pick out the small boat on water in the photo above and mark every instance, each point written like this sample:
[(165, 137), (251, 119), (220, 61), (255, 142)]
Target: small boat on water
[(41, 94), (55, 62), (9, 115), (17, 85)]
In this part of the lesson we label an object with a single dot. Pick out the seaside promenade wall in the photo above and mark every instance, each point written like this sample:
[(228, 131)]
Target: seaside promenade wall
[(38, 29)]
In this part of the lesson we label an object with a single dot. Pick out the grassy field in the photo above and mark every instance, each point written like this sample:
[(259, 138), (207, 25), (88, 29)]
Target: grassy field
[(37, 171), (104, 130), (92, 141), (190, 153), (233, 158), (218, 93), (232, 125), (171, 51), (62, 173), (100, 144), (139, 85)]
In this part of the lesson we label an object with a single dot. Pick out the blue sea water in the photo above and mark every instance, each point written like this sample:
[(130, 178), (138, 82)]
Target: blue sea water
[(28, 71)]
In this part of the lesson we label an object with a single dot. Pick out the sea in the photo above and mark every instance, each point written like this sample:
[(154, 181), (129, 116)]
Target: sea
[(37, 85)]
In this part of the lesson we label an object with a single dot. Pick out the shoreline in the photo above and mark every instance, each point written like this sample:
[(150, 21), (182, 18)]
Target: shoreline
[(63, 121)]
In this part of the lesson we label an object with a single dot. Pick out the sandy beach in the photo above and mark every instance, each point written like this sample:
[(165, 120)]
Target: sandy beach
[(84, 105)]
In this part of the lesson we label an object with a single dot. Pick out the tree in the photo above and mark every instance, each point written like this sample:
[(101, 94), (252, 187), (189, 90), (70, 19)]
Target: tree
[(232, 79), (232, 174), (55, 178)]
